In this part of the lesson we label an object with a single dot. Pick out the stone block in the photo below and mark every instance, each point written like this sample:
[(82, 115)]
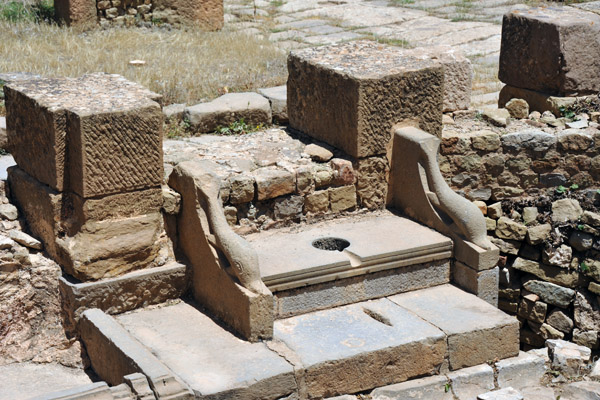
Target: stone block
[(80, 13), (538, 234), (139, 386), (506, 228), (342, 198), (567, 357), (273, 182), (533, 310), (485, 333), (114, 354), (501, 394), (278, 98), (212, 361), (558, 67), (551, 293), (548, 273), (203, 14), (350, 95), (252, 108), (430, 388), (521, 371), (483, 284), (125, 293), (242, 189), (112, 147), (467, 383), (585, 390), (317, 202), (474, 256), (372, 181), (537, 101), (361, 346)]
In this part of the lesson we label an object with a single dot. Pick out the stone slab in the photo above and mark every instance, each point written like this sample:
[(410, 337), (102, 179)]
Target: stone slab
[(477, 332), (361, 346), (212, 361), (93, 391), (483, 284), (350, 95), (467, 383), (125, 293), (559, 67), (360, 288), (113, 128), (430, 388), (17, 379), (278, 98), (375, 244), (521, 371)]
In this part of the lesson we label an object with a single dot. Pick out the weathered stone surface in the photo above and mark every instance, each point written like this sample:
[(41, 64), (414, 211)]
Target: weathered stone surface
[(288, 207), (25, 239), (495, 210), (9, 212), (506, 228), (342, 198), (518, 108), (574, 140), (498, 117), (530, 139), (318, 153), (586, 338), (568, 357), (507, 246), (532, 310), (371, 183), (467, 383), (430, 388), (139, 386), (557, 67), (278, 98), (210, 360), (112, 146), (317, 202), (205, 14), (485, 140), (501, 394), (556, 275), (174, 111), (521, 371), (581, 241), (538, 393), (485, 332), (347, 349), (590, 218), (253, 108), (273, 182), (76, 12), (242, 189), (483, 284), (363, 99), (585, 390), (343, 171), (171, 201), (3, 134), (586, 312), (114, 353), (538, 234), (545, 331), (551, 293), (564, 210), (559, 320)]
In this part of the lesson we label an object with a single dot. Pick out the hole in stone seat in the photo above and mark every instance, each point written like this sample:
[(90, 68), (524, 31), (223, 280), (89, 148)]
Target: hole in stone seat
[(331, 244)]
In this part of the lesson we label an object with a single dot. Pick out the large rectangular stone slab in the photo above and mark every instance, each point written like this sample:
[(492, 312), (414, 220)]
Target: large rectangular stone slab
[(95, 135), (350, 95), (361, 346), (560, 66), (477, 332), (212, 361)]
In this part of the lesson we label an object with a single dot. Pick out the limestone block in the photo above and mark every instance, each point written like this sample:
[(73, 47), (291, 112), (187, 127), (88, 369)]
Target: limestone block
[(518, 108), (113, 146), (558, 67), (559, 320), (485, 333), (458, 74), (342, 198), (506, 228), (568, 357), (76, 12), (242, 189), (551, 293), (467, 383), (278, 98), (564, 210), (474, 256), (556, 275), (430, 388), (317, 202), (501, 394), (533, 310), (273, 182), (253, 108), (483, 284), (582, 390), (538, 234), (371, 183), (205, 14), (521, 371), (350, 95)]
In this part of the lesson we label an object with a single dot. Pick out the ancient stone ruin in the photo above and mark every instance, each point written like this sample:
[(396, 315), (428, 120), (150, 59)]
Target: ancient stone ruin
[(204, 14)]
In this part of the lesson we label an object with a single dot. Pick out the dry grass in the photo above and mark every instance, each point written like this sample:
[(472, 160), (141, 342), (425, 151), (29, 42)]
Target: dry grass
[(184, 66)]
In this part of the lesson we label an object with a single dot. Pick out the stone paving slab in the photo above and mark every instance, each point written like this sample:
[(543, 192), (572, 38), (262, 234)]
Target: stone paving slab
[(212, 361), (477, 332), (361, 346), (26, 380)]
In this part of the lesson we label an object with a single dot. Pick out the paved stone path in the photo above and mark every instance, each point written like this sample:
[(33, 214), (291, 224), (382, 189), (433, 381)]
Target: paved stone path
[(473, 27)]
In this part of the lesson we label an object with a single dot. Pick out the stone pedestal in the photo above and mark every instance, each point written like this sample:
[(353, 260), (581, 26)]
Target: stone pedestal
[(89, 170), (553, 50), (351, 95)]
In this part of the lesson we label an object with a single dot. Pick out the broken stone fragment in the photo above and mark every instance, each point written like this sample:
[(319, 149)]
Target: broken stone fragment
[(517, 108), (499, 117), (508, 229), (564, 210), (318, 153), (551, 293), (171, 200), (25, 239), (567, 357), (278, 98), (9, 212)]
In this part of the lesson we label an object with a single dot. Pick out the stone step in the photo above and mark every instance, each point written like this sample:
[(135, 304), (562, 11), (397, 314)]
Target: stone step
[(349, 260), (343, 350)]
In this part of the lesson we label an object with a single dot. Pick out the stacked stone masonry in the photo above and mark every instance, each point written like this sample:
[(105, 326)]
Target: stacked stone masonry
[(90, 188), (550, 266)]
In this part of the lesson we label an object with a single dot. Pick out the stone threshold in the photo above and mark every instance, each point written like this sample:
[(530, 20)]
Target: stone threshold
[(338, 351)]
